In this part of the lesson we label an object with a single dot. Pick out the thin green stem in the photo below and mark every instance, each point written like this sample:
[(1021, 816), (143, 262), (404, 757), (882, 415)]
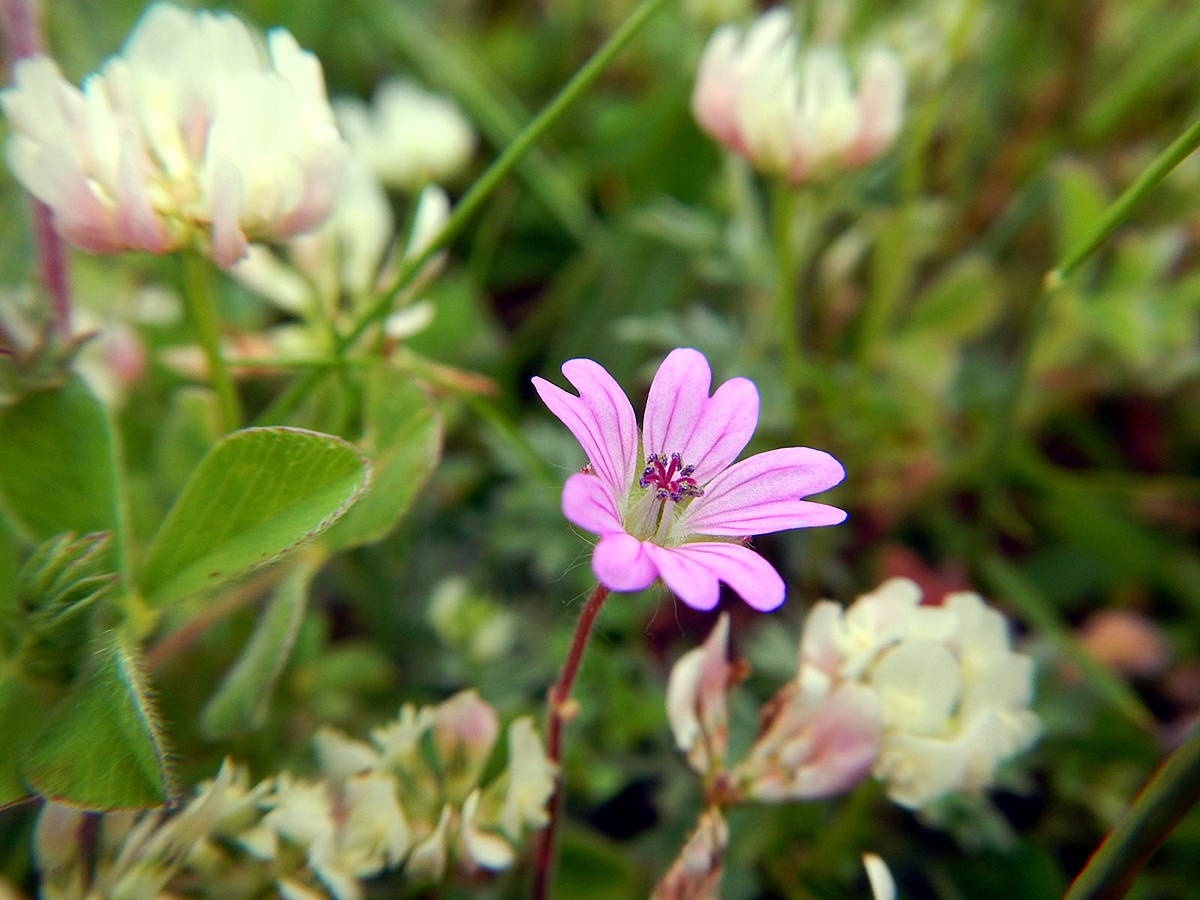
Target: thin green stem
[(1117, 212), (498, 112), (1166, 798), (504, 163), (1121, 208), (786, 286), (202, 311)]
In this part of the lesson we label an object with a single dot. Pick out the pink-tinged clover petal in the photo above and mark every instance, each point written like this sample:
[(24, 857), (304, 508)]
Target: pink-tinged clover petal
[(622, 563), (601, 418), (810, 752), (139, 224), (588, 503), (693, 572), (762, 494)]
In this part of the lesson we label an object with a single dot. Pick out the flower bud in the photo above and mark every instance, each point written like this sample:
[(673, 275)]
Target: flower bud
[(696, 700), (816, 740), (696, 872), (531, 781), (427, 862), (464, 730)]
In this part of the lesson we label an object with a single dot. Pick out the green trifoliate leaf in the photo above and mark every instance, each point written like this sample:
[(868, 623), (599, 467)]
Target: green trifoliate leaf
[(255, 497), (103, 747), (244, 697)]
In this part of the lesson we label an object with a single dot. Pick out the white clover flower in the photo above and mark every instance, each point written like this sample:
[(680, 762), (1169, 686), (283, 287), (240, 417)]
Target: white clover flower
[(531, 780), (408, 136), (794, 112), (344, 257), (374, 834), (954, 696), (195, 135), (482, 848)]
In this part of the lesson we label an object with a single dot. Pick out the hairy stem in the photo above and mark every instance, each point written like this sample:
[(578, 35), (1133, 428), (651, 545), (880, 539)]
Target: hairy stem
[(202, 311), (21, 31), (559, 712)]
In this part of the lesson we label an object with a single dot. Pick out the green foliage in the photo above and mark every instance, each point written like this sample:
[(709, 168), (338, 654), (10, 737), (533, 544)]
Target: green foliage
[(402, 438), (57, 466), (103, 748), (241, 703), (256, 496)]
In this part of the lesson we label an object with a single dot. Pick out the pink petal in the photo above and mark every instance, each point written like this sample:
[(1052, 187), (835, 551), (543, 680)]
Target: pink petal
[(677, 397), (621, 563), (139, 223), (762, 494), (840, 743), (694, 571), (681, 418), (588, 503), (723, 430), (601, 418), (718, 87)]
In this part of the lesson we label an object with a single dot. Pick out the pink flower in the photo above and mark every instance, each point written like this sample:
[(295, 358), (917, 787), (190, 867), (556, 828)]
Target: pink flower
[(672, 507)]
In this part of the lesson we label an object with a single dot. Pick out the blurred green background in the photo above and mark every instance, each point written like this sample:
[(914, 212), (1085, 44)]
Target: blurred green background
[(629, 234)]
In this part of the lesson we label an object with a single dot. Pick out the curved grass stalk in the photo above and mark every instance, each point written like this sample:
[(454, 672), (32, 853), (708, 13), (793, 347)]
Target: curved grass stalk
[(475, 196), (1167, 797)]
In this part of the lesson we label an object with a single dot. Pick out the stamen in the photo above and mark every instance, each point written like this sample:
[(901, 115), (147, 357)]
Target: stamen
[(669, 477)]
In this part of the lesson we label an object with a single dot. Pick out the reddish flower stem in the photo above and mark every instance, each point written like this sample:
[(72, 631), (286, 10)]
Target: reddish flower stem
[(21, 31), (558, 712)]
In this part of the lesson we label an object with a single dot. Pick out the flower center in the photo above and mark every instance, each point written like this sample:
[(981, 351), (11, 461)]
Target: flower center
[(669, 477)]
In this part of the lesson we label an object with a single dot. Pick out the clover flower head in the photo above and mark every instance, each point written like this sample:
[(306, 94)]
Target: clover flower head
[(794, 112), (953, 694), (195, 135), (673, 504), (408, 136)]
